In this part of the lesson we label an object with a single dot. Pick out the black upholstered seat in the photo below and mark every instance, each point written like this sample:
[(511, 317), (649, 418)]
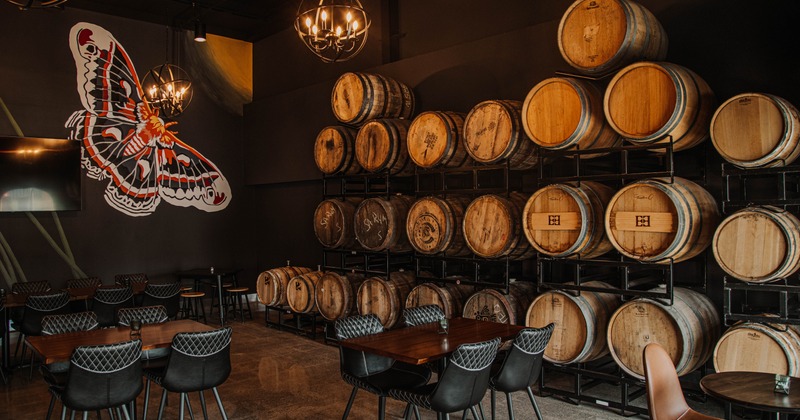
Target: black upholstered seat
[(370, 372), (101, 377), (107, 301), (166, 295), (461, 385), (425, 314), (518, 368), (198, 361)]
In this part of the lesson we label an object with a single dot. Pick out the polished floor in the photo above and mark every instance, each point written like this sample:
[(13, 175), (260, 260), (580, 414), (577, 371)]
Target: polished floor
[(282, 375)]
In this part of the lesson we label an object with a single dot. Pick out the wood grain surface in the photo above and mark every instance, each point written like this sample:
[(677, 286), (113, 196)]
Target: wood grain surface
[(334, 151), (271, 284), (493, 132)]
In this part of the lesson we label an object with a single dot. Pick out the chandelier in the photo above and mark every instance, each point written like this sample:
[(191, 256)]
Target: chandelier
[(334, 30), (168, 88), (36, 4)]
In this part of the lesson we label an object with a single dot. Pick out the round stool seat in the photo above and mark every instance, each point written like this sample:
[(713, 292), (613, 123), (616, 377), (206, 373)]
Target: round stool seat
[(186, 288), (193, 294), (238, 289)]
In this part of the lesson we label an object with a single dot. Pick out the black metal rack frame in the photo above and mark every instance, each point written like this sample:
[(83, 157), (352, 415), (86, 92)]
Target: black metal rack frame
[(299, 323)]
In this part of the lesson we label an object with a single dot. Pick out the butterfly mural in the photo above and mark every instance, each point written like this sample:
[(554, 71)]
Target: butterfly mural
[(124, 139)]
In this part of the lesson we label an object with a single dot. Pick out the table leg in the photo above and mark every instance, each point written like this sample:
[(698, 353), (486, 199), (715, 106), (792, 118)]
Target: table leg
[(728, 415), (6, 339), (219, 297)]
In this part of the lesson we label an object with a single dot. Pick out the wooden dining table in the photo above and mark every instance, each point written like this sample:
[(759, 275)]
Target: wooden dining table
[(424, 343), (59, 347), (754, 390)]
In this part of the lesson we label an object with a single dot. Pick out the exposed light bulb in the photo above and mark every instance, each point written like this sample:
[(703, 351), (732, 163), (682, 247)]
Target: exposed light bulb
[(349, 16), (338, 31), (355, 25), (308, 22), (324, 15)]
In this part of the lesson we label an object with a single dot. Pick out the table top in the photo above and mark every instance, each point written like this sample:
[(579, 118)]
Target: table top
[(423, 343), (56, 348), (753, 389), (205, 273)]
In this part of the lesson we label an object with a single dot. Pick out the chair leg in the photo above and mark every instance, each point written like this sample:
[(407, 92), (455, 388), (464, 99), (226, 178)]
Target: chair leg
[(474, 413), (63, 412), (535, 406), (189, 407), (146, 399), (86, 414), (349, 403), (494, 394), (125, 412), (203, 405), (407, 411), (50, 408), (381, 408), (183, 398), (480, 410), (219, 404), (416, 412), (163, 403), (510, 406)]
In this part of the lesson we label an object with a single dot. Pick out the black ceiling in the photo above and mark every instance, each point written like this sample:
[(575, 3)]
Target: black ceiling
[(247, 20)]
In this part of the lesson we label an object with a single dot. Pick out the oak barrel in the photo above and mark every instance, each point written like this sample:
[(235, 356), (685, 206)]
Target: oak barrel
[(386, 298), (434, 225), (687, 330), (567, 113), (756, 347), (758, 244), (380, 223), (580, 322), (448, 296), (652, 102), (333, 222), (497, 306), (434, 139), (654, 220), (336, 293), (271, 284), (598, 36), (358, 97), (493, 228), (300, 292), (563, 220), (493, 133), (334, 151), (756, 130), (381, 146)]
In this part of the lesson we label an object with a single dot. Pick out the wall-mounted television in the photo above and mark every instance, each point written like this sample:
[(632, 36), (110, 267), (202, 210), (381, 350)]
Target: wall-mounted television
[(39, 174)]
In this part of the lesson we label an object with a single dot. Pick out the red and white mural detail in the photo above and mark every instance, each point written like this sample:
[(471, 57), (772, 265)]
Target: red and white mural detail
[(124, 139)]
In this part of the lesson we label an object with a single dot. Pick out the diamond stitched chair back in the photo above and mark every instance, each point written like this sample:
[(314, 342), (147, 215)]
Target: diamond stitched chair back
[(36, 307), (422, 315), (146, 314), (84, 282), (102, 377), (461, 385), (519, 368), (198, 361), (107, 301), (129, 279), (30, 287), (167, 295), (65, 323)]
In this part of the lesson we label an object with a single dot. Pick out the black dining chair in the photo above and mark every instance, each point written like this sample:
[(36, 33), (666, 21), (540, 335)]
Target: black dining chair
[(461, 385), (84, 282), (198, 361), (25, 288), (518, 368), (145, 314), (425, 314), (370, 372), (165, 294), (101, 377), (36, 307), (107, 301), (135, 281)]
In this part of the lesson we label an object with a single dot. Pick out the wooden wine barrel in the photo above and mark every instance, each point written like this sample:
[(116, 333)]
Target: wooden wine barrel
[(756, 347), (358, 97), (380, 223), (434, 139), (580, 322), (300, 292), (758, 244), (385, 298), (271, 284), (493, 133), (493, 228), (448, 296), (756, 130), (687, 330), (434, 225), (334, 151), (381, 146), (333, 222), (336, 293), (653, 220), (567, 113), (563, 220), (651, 102), (599, 36), (497, 306)]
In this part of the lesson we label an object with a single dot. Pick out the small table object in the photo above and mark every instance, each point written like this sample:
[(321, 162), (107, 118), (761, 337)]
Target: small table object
[(752, 389)]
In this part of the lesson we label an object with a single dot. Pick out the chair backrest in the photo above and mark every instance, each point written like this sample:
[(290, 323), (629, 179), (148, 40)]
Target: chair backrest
[(664, 394), (37, 306), (166, 294), (146, 314), (355, 362), (84, 282), (108, 300), (103, 376), (465, 379), (198, 360), (29, 287), (523, 363), (128, 279), (64, 323), (422, 315)]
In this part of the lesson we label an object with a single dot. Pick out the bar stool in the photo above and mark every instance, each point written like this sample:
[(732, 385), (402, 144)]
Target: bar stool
[(183, 309), (214, 302), (191, 299), (234, 299)]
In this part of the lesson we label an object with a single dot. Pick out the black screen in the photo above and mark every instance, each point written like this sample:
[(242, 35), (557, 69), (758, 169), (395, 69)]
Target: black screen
[(39, 174)]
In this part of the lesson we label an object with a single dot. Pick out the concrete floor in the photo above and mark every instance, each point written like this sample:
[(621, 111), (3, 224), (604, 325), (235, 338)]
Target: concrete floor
[(281, 375)]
